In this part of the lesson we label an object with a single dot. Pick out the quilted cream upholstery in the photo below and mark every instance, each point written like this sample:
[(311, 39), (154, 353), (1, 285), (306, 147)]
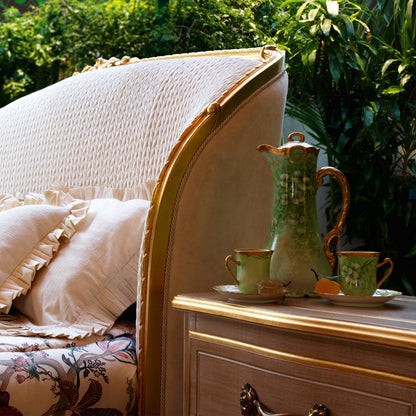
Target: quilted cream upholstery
[(112, 127)]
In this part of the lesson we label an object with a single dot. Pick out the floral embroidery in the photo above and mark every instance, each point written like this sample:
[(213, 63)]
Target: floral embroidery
[(90, 398), (122, 349), (66, 375)]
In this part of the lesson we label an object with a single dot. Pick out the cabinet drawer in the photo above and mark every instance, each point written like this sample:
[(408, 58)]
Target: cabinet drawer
[(220, 366)]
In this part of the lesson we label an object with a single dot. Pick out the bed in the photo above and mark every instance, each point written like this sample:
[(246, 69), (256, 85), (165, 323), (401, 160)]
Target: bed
[(120, 187)]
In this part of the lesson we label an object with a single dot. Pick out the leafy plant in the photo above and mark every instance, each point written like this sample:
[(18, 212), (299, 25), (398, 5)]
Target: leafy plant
[(211, 24), (353, 86), (51, 41), (48, 43), (21, 4)]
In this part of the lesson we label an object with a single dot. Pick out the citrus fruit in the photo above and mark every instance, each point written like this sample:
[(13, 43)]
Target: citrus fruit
[(325, 285)]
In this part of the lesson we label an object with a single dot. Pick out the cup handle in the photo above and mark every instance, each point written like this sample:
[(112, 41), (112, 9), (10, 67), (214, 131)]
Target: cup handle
[(385, 261), (227, 259)]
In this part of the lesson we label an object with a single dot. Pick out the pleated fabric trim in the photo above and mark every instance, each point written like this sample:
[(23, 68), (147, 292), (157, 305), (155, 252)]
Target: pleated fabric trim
[(18, 325), (20, 280), (97, 319), (144, 191)]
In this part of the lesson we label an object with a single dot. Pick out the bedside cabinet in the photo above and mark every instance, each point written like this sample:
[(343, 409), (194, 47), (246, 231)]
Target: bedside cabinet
[(298, 357)]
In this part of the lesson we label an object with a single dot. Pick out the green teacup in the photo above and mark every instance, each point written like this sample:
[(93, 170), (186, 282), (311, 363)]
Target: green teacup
[(358, 272), (253, 265)]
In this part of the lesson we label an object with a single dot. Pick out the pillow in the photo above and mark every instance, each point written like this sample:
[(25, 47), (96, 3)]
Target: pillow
[(93, 278), (30, 235)]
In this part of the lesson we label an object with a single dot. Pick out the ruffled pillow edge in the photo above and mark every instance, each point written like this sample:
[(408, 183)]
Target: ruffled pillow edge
[(20, 280)]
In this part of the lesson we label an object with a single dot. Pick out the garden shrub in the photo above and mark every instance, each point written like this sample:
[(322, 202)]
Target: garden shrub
[(52, 41), (59, 37)]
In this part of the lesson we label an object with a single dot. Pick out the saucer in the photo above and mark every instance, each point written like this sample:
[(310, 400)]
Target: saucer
[(380, 297), (232, 293)]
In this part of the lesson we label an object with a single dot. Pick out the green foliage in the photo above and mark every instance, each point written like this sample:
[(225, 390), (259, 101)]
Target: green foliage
[(22, 4), (50, 42), (59, 37), (212, 24), (353, 74)]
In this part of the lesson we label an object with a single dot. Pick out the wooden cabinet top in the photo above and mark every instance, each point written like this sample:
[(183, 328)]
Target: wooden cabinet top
[(393, 324)]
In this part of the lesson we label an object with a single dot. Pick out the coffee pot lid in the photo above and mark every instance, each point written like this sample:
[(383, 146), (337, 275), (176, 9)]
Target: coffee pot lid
[(290, 146), (291, 143)]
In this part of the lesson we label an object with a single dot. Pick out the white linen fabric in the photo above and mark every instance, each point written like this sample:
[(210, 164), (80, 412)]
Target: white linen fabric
[(30, 235), (92, 280)]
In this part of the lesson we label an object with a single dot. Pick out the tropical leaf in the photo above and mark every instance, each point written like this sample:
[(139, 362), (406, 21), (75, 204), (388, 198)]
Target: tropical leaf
[(401, 68), (342, 142), (326, 26), (313, 29), (332, 7), (309, 114), (91, 396), (100, 412), (301, 9), (312, 13), (348, 25), (386, 65), (335, 70), (392, 90), (70, 391), (404, 80)]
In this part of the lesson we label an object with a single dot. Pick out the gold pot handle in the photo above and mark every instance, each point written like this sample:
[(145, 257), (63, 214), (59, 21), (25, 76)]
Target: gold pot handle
[(336, 231), (250, 406)]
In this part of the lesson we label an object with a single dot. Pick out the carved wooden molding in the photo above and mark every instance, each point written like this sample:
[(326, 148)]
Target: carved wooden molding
[(108, 63)]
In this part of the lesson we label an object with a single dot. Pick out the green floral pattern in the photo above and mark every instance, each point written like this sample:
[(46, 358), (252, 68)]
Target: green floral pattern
[(293, 232), (358, 274)]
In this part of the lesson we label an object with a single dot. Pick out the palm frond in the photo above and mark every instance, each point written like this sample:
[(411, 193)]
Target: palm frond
[(310, 114)]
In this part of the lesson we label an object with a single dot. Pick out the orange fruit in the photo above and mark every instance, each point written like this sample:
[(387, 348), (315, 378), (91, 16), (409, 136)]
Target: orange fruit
[(325, 285)]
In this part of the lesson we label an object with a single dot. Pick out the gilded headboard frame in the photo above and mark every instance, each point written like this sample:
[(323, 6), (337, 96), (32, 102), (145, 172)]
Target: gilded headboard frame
[(154, 271), (177, 123)]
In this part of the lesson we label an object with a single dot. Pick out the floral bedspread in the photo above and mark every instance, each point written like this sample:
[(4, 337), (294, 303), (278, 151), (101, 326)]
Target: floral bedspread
[(42, 376)]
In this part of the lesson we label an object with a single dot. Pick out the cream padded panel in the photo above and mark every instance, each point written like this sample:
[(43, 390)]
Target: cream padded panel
[(225, 203), (112, 127)]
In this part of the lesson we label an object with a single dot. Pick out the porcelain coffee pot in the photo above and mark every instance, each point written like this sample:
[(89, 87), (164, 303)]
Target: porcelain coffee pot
[(294, 237)]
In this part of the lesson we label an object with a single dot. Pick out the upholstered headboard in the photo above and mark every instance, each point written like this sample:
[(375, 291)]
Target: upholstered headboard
[(114, 127), (179, 130)]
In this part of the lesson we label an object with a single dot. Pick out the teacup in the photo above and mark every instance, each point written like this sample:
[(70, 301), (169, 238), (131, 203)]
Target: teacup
[(358, 272), (253, 265)]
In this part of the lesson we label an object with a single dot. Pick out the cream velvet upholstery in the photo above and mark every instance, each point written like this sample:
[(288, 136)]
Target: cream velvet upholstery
[(185, 127)]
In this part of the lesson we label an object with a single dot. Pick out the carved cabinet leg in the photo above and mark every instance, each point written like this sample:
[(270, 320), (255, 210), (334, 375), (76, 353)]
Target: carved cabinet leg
[(250, 405)]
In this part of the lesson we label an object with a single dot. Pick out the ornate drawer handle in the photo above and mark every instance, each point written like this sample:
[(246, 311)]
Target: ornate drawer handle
[(250, 406)]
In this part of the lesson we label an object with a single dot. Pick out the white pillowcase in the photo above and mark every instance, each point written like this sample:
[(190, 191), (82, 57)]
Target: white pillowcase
[(30, 235), (93, 278)]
